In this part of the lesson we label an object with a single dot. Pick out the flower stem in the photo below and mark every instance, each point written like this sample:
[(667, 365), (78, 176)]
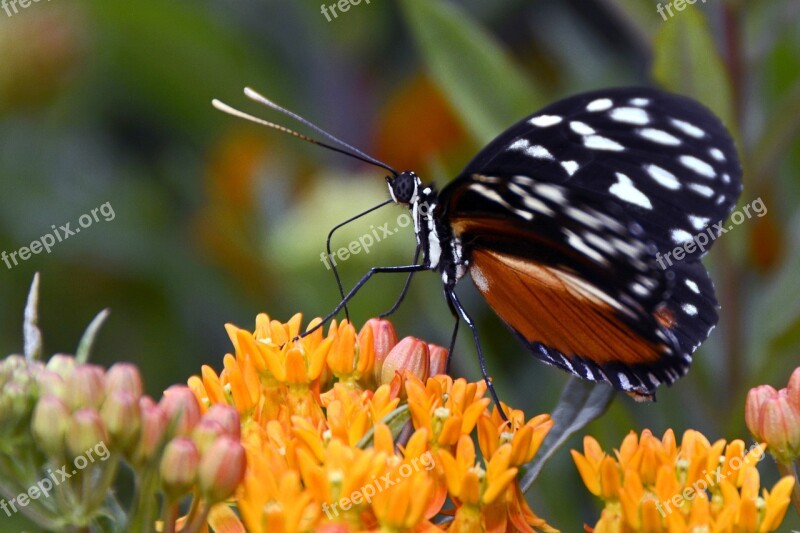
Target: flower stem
[(788, 469)]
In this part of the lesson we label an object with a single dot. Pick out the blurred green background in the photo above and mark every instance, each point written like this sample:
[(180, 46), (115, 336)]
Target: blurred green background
[(216, 220)]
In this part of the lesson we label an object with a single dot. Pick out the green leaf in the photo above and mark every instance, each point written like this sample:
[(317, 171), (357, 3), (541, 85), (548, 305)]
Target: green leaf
[(396, 420), (581, 402), (487, 90), (87, 340), (686, 61), (31, 334)]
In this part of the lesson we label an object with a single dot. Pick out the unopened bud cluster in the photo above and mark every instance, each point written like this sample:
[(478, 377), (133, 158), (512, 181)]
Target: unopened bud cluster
[(83, 422)]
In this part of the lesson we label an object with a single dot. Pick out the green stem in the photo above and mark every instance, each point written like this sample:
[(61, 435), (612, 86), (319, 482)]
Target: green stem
[(788, 469)]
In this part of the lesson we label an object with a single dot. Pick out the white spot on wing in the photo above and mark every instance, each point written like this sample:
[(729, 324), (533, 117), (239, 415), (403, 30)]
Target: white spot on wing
[(698, 223), (489, 194), (600, 104), (551, 192), (689, 309), (570, 166), (680, 236), (659, 136), (640, 101), (630, 115), (688, 129), (624, 189), (581, 128), (478, 278), (692, 286), (576, 242), (663, 177), (702, 190), (698, 165), (544, 121), (598, 142), (717, 154), (537, 151)]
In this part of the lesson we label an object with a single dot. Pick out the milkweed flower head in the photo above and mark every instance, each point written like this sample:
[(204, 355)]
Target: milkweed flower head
[(350, 430), (656, 485)]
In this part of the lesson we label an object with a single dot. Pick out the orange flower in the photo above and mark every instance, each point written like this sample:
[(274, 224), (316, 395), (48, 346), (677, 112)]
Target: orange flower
[(653, 485), (321, 458)]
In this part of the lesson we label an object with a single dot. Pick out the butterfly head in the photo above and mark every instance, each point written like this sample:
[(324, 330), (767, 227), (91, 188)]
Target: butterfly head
[(404, 187)]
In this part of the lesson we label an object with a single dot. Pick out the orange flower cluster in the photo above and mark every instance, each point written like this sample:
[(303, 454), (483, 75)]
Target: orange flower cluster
[(654, 485), (359, 432)]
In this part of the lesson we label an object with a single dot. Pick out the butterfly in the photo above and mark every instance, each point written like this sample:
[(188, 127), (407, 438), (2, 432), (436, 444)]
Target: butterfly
[(581, 226)]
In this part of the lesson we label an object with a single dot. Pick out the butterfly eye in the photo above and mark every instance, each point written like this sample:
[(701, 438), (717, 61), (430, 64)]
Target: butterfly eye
[(403, 187)]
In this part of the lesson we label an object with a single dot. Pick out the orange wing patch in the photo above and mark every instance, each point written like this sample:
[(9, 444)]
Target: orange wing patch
[(559, 310)]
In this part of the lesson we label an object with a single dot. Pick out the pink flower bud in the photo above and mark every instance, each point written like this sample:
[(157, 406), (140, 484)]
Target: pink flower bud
[(120, 413), (178, 467), (124, 377), (85, 431), (49, 425), (793, 389), (438, 359), (756, 398), (182, 409), (222, 468), (780, 426), (85, 387), (228, 418), (153, 431), (410, 354), (206, 432), (384, 338)]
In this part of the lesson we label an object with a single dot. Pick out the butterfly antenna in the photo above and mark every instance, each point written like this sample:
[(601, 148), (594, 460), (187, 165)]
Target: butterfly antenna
[(343, 147)]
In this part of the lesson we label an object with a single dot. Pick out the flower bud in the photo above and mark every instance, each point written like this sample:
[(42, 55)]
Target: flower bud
[(182, 409), (61, 364), (153, 430), (410, 354), (228, 417), (756, 398), (49, 425), (206, 432), (438, 358), (120, 414), (780, 426), (385, 338), (124, 377), (178, 467), (222, 468), (51, 383), (793, 389), (341, 358), (86, 430), (85, 387)]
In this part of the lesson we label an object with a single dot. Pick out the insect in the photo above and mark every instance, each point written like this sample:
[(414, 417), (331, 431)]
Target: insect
[(564, 222)]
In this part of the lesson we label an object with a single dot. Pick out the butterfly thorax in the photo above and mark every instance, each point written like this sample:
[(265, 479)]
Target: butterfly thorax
[(441, 250)]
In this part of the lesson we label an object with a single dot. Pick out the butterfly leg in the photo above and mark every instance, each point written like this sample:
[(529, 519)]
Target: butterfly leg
[(330, 255), (451, 296), (405, 287), (357, 287)]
